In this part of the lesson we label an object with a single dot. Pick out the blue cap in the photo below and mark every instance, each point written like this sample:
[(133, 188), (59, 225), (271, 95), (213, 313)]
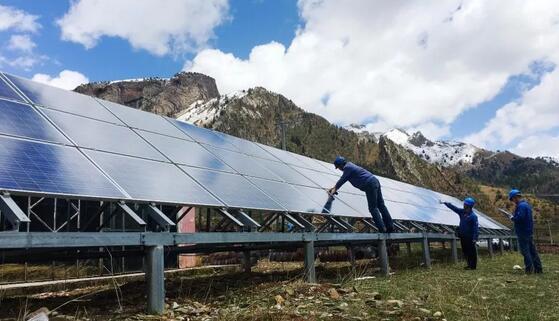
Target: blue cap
[(469, 201), (339, 162), (513, 193)]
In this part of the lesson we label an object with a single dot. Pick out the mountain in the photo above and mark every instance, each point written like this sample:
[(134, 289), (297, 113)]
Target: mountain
[(257, 114), (165, 96), (444, 153)]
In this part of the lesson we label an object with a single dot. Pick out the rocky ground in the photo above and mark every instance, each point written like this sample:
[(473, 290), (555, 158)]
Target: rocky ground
[(274, 291)]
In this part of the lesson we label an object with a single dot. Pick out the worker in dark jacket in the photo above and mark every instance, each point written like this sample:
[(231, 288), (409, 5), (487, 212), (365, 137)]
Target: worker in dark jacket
[(368, 183), (524, 228), (468, 231)]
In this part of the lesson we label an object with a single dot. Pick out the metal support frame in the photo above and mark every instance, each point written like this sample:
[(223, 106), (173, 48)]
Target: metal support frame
[(309, 227), (490, 247), (155, 279), (501, 246), (128, 211), (408, 248), (12, 212), (454, 250), (310, 273), (159, 217)]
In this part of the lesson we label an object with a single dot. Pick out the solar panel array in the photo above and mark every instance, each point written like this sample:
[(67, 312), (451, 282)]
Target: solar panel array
[(55, 142)]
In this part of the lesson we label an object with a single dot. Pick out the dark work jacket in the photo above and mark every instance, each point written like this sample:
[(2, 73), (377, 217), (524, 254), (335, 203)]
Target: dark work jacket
[(523, 221), (469, 227), (357, 176)]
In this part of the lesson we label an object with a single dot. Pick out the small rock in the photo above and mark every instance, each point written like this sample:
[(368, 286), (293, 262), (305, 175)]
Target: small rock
[(517, 268), (425, 311), (343, 305), (398, 303), (334, 295), (175, 305), (376, 296), (279, 299), (289, 291), (438, 314)]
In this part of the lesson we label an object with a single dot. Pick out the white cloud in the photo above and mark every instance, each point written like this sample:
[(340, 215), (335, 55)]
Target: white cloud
[(12, 18), (21, 43), (66, 79), (538, 145), (402, 63), (535, 113), (158, 26)]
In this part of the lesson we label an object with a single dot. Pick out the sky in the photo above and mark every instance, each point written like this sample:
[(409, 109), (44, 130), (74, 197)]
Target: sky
[(478, 71)]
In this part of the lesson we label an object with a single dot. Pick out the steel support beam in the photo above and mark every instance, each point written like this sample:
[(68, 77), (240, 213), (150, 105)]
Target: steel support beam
[(454, 249), (383, 256), (155, 279), (426, 253), (159, 217), (310, 273), (408, 248), (247, 264), (501, 246)]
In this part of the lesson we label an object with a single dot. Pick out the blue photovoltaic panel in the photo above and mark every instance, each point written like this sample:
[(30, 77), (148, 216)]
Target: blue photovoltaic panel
[(326, 181), (287, 196), (287, 173), (50, 169), (64, 100), (22, 120), (205, 136), (94, 134), (7, 92), (332, 205), (233, 189), (153, 181), (248, 147), (243, 164), (143, 120), (185, 152), (280, 154)]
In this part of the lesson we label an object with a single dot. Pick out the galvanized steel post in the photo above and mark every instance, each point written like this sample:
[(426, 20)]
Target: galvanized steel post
[(501, 246), (426, 254), (490, 247), (454, 249), (383, 255), (155, 279), (310, 274)]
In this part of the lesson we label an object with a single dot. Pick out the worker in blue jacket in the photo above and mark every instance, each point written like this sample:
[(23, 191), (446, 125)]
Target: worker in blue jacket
[(524, 228), (368, 183), (468, 231)]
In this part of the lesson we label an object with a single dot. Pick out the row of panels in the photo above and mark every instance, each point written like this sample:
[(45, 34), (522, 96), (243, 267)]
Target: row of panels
[(143, 156)]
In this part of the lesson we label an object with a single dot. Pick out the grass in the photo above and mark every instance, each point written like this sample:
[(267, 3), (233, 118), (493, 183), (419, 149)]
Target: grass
[(274, 291)]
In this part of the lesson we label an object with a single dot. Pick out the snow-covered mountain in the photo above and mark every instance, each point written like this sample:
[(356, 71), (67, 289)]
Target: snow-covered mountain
[(203, 112), (445, 153)]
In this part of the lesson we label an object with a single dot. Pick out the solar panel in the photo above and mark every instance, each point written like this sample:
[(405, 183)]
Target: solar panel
[(143, 120), (325, 180), (7, 92), (50, 169), (153, 181), (205, 136), (69, 101), (333, 206), (248, 147), (94, 134), (287, 196), (285, 172), (185, 152), (233, 189), (280, 154), (243, 164), (22, 120)]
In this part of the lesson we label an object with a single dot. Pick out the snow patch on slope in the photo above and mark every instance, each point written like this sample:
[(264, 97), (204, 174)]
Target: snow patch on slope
[(446, 153), (202, 112)]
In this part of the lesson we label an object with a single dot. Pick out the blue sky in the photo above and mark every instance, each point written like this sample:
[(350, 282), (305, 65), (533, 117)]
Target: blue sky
[(451, 84)]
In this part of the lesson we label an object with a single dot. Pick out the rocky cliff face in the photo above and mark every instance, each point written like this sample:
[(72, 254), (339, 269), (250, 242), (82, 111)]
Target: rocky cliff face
[(161, 96)]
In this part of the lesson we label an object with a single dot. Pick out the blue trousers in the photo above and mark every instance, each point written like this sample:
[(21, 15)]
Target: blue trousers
[(528, 250), (378, 210)]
